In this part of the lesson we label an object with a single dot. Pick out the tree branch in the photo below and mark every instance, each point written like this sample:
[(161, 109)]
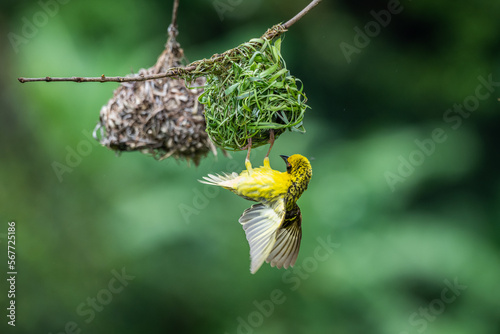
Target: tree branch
[(172, 28), (176, 71), (170, 73), (303, 12)]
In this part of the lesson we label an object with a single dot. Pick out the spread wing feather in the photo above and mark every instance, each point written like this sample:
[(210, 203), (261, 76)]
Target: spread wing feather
[(260, 223), (286, 249)]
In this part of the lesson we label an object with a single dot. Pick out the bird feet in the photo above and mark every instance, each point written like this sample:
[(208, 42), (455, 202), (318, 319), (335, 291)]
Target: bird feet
[(248, 164), (271, 143)]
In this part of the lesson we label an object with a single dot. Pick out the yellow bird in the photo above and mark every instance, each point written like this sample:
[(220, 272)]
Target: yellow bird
[(272, 227)]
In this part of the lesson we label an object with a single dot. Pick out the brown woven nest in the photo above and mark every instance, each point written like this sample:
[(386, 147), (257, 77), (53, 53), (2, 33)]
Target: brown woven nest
[(159, 117)]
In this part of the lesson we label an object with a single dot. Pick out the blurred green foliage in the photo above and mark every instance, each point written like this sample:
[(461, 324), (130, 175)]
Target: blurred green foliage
[(417, 254)]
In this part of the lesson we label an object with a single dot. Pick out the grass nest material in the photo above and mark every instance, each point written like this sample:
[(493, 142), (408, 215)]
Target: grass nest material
[(248, 92)]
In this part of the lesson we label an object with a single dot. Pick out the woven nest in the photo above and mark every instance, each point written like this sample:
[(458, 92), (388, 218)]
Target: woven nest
[(249, 91), (158, 117)]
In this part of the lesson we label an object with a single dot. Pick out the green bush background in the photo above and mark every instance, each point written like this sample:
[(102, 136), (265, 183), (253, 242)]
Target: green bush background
[(395, 247)]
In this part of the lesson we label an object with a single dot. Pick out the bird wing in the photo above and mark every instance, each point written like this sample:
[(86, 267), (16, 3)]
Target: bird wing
[(260, 223), (286, 249)]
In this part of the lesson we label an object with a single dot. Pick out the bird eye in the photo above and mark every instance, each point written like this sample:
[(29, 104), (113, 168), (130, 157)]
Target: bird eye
[(289, 168)]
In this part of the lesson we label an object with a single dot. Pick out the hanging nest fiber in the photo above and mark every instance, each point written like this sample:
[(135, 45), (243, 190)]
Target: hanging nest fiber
[(159, 117), (249, 91)]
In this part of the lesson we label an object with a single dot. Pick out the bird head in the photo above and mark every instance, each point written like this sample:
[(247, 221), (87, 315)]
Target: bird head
[(299, 168)]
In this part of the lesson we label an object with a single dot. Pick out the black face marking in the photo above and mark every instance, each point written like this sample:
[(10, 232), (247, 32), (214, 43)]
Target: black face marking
[(288, 166)]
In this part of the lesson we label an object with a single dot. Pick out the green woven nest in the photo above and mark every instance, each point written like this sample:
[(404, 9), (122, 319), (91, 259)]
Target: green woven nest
[(250, 92)]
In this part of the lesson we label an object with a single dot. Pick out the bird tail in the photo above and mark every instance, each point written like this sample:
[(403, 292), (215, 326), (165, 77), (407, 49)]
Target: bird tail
[(223, 180)]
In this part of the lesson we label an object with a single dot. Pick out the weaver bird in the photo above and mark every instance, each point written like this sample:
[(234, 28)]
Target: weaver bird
[(272, 227)]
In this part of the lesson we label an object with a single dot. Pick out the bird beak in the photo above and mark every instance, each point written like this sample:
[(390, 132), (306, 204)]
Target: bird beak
[(285, 158), (288, 166)]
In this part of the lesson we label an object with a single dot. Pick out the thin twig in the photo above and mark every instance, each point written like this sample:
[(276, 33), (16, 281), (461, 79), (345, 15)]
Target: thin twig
[(176, 71), (174, 14), (303, 12), (173, 72)]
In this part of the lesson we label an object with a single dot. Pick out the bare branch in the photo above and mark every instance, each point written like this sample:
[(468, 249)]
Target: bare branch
[(172, 28), (174, 14), (303, 12), (173, 72)]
